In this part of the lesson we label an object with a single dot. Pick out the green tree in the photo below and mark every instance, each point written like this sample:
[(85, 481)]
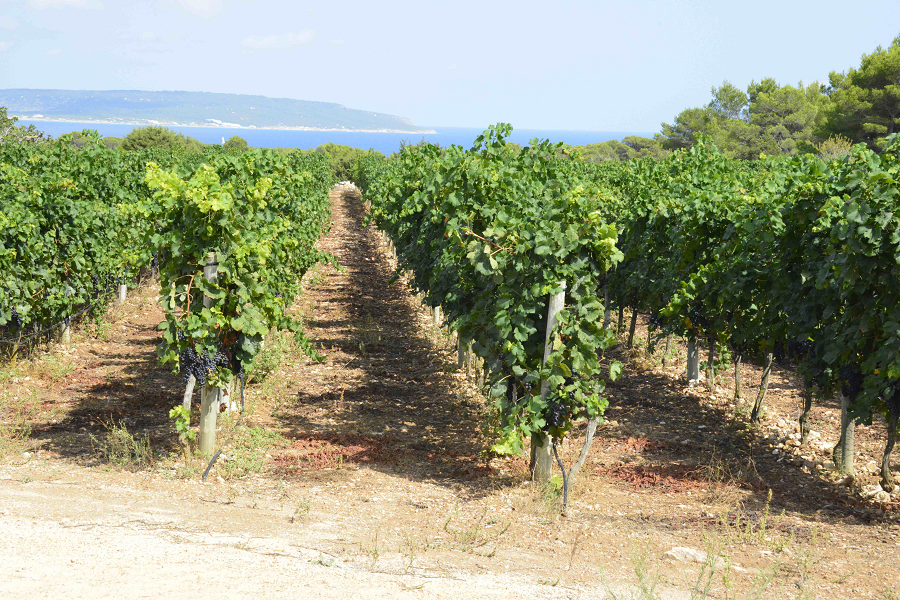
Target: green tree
[(729, 102), (768, 119), (599, 152), (683, 132), (834, 148), (341, 158), (644, 147), (866, 101), (787, 117), (632, 146), (154, 136), (236, 143), (10, 132)]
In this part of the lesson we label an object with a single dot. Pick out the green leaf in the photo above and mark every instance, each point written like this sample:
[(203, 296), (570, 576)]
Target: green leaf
[(615, 370)]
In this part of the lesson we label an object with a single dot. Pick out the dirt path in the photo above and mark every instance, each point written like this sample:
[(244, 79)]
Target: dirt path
[(388, 523), (380, 486), (66, 538)]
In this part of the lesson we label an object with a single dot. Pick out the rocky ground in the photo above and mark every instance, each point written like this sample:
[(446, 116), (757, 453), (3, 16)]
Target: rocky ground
[(368, 474)]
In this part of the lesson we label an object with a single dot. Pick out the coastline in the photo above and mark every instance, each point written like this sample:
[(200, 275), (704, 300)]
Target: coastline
[(218, 125)]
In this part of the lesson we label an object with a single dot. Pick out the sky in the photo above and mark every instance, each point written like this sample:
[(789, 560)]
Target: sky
[(595, 66)]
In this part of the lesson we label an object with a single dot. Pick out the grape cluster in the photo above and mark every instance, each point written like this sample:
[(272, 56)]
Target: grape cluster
[(557, 414), (695, 314), (800, 350), (108, 284), (193, 363), (851, 380), (16, 319)]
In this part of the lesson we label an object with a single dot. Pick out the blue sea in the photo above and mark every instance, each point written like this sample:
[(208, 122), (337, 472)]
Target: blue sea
[(383, 142)]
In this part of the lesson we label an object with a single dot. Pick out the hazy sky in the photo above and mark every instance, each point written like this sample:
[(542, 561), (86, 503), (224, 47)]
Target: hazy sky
[(609, 66)]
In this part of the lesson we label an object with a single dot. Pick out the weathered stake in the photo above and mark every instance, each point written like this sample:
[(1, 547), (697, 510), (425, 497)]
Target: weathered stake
[(887, 480), (189, 392), (693, 362), (844, 450), (123, 293), (65, 336), (804, 415), (711, 365), (607, 312), (736, 360), (763, 388), (665, 357), (209, 396), (541, 445), (631, 327)]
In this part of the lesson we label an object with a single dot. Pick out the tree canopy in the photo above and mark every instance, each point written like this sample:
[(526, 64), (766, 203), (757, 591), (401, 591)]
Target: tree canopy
[(236, 143), (10, 132), (632, 146), (342, 158), (865, 102), (859, 105), (768, 119), (155, 136)]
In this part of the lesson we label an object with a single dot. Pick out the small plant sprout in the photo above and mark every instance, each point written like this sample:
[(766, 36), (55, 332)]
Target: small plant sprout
[(182, 418)]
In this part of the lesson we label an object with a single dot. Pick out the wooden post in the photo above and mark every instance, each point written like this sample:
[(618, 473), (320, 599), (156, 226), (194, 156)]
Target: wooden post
[(209, 396), (693, 362), (668, 349), (189, 393), (736, 361), (763, 388), (437, 316), (711, 365), (481, 373), (460, 352), (65, 336), (842, 454), (541, 449), (634, 316), (123, 293), (607, 311)]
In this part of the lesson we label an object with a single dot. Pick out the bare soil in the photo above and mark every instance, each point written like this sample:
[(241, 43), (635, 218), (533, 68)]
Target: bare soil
[(382, 483)]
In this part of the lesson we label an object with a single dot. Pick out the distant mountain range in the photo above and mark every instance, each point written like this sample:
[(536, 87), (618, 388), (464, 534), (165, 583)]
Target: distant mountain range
[(195, 109)]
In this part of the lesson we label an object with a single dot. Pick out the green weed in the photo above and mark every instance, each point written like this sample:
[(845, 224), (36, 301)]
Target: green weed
[(16, 415), (118, 447), (247, 450), (271, 356), (302, 511), (189, 470), (477, 534), (757, 527), (372, 548)]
